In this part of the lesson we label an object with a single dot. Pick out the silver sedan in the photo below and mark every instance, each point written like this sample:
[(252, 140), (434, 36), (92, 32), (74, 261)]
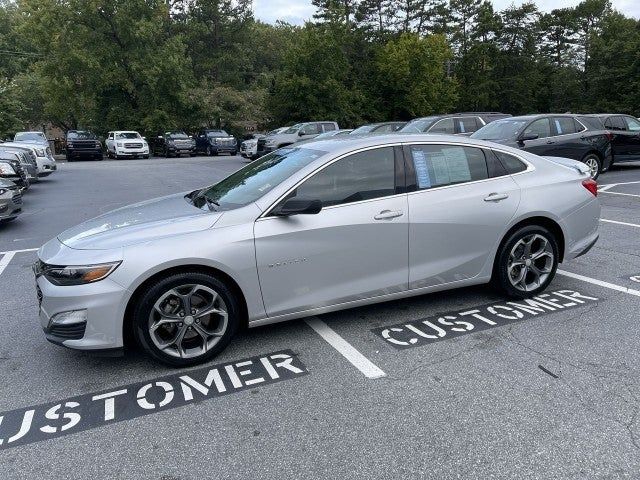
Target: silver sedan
[(305, 230)]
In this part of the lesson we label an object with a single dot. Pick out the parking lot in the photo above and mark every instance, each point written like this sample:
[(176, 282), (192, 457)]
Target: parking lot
[(528, 391)]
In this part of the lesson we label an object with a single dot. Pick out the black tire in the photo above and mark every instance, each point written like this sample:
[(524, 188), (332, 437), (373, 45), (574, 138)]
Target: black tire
[(500, 278), (234, 153), (166, 153), (209, 152), (594, 162), (100, 157), (145, 156), (142, 311)]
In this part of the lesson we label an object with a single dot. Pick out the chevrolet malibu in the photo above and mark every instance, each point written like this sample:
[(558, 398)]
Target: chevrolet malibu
[(306, 230)]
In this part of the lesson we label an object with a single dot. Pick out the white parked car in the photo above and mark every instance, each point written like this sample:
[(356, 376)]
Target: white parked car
[(44, 158), (126, 144)]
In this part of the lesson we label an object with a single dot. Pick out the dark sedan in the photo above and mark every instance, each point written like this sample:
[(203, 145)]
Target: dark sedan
[(578, 137), (625, 136)]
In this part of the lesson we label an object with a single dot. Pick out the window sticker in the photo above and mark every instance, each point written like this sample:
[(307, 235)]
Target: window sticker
[(558, 127), (422, 170), (457, 165), (440, 169)]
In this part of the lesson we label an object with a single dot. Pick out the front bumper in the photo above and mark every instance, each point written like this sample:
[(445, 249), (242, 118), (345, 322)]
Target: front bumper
[(264, 150), (10, 206), (100, 302), (132, 152), (84, 153)]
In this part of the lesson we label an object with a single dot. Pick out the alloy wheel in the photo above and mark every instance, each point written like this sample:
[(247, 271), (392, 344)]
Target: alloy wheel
[(594, 166), (188, 320), (530, 262)]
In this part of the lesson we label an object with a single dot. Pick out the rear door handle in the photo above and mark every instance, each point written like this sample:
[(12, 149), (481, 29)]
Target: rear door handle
[(551, 142), (496, 197), (388, 215)]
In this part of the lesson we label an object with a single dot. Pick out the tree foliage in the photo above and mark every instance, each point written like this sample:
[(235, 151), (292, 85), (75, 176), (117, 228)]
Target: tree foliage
[(158, 64)]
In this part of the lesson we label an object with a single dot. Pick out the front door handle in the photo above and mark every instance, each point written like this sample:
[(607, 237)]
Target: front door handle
[(388, 215), (496, 197)]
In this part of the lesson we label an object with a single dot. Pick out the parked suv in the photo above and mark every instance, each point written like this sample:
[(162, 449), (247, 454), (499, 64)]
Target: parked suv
[(173, 143), (215, 142), (44, 158), (83, 144), (578, 137), (464, 123), (126, 144), (299, 131), (625, 136)]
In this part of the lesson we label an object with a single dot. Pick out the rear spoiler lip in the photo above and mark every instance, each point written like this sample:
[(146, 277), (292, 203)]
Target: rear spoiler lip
[(570, 163)]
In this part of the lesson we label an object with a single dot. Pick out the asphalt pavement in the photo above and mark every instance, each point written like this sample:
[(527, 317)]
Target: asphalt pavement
[(549, 390)]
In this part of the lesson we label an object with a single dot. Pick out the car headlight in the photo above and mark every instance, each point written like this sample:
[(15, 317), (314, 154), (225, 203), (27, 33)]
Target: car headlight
[(3, 191), (40, 151), (98, 145), (6, 169), (118, 144), (77, 274)]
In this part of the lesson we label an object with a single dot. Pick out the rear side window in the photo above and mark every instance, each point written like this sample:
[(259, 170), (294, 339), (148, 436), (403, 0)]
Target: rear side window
[(541, 127), (615, 123), (510, 163), (445, 125), (361, 176), (564, 125), (579, 126), (632, 124), (441, 165), (311, 129), (328, 127), (467, 124)]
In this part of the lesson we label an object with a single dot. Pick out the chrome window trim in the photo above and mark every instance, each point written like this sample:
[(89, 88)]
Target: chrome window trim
[(530, 168)]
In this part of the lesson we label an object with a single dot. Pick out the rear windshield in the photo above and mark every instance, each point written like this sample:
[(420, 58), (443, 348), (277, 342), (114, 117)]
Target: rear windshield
[(81, 135)]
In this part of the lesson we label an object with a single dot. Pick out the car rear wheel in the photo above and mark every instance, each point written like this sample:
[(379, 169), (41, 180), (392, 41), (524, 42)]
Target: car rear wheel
[(526, 262), (186, 318), (594, 163)]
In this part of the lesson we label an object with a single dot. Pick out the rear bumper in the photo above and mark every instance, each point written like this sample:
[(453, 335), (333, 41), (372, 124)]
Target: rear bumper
[(9, 208), (582, 229)]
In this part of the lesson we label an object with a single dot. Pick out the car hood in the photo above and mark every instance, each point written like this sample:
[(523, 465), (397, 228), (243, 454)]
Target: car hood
[(138, 223)]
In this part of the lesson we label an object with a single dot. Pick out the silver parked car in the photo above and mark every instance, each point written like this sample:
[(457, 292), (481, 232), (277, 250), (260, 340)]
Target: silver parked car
[(10, 201), (305, 230)]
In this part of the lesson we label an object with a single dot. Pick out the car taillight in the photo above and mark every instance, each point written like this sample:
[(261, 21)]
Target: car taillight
[(591, 185), (609, 135)]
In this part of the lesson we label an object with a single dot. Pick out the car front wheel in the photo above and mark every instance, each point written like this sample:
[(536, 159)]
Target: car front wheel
[(186, 318), (526, 262)]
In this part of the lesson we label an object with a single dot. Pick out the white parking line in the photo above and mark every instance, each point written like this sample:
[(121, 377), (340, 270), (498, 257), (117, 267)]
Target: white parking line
[(618, 193), (620, 223), (4, 261), (600, 283), (8, 256), (347, 350)]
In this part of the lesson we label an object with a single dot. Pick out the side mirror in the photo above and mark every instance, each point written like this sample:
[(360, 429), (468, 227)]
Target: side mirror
[(301, 133), (528, 136), (298, 206)]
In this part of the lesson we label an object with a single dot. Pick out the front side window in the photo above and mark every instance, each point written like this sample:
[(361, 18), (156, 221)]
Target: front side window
[(615, 123), (311, 129), (540, 127), (632, 124), (328, 127), (441, 165), (445, 125), (564, 125), (361, 176), (256, 179)]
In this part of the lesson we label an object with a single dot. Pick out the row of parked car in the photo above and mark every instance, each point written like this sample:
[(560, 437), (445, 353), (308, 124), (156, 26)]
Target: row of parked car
[(598, 140), (23, 161)]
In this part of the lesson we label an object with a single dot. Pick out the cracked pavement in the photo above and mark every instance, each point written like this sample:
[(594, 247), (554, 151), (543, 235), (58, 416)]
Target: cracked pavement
[(473, 406)]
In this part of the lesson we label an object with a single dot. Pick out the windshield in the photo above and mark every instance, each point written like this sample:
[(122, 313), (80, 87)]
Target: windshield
[(256, 179), (219, 133), (363, 129), (127, 135), (24, 136), (419, 125), (81, 135), (174, 135), (500, 129), (293, 129)]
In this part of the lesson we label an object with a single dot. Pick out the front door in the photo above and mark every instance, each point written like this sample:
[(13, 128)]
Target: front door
[(355, 248), (457, 214)]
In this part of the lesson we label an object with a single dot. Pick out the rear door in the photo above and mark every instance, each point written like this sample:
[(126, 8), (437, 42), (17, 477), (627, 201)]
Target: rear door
[(568, 142), (467, 125), (457, 212), (619, 143)]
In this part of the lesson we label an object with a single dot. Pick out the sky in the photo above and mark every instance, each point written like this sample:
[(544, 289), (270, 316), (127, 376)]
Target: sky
[(297, 11)]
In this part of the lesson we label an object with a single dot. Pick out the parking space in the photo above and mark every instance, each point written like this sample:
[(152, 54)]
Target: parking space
[(463, 383)]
